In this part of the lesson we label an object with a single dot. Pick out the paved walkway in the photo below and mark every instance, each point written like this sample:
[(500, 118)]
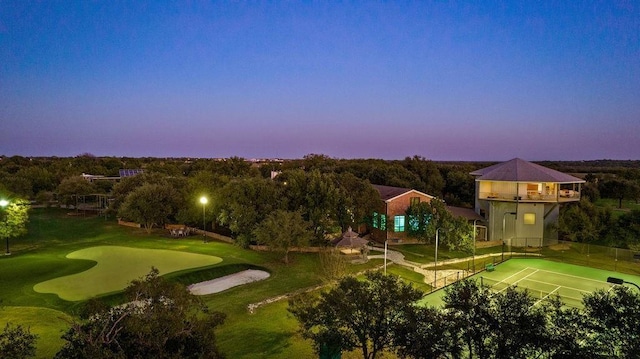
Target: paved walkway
[(430, 274)]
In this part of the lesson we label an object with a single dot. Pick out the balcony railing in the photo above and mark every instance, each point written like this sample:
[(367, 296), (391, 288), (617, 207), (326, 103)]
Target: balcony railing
[(561, 196)]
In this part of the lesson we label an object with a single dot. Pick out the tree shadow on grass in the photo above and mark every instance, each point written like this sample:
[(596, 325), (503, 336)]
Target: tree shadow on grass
[(261, 343)]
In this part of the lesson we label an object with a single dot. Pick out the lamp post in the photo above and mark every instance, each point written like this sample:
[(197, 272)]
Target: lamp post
[(435, 267), (620, 281), (385, 257), (204, 201), (504, 215), (4, 203), (474, 245)]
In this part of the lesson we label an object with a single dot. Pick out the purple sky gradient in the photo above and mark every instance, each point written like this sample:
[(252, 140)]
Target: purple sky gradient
[(486, 81)]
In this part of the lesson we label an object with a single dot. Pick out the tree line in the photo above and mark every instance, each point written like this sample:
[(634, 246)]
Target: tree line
[(586, 222), (382, 314), (328, 194)]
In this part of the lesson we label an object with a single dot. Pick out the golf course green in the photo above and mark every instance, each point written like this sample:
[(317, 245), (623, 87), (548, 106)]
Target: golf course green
[(116, 267)]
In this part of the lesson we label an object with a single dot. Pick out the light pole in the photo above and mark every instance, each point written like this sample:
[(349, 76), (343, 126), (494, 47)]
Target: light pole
[(474, 245), (504, 215), (204, 201), (385, 257), (435, 267), (614, 280), (4, 203)]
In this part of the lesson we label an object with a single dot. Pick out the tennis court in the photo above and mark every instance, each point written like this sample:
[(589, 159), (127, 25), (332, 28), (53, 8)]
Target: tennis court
[(544, 284), (544, 279)]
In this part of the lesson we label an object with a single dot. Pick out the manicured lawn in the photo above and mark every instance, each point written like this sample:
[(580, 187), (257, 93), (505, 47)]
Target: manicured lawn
[(48, 324), (41, 256), (414, 278), (116, 267)]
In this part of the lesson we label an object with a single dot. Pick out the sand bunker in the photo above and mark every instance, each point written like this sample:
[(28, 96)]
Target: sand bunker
[(229, 281)]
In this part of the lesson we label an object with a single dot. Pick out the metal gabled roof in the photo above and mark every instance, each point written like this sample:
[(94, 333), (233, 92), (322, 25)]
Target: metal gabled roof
[(519, 170)]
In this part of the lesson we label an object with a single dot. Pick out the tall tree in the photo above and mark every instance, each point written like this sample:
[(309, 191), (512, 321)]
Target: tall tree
[(429, 333), (316, 195), (160, 320), (427, 218), (151, 205), (356, 314), (612, 320), (472, 303), (283, 230), (14, 218), (244, 203), (428, 174), (71, 188)]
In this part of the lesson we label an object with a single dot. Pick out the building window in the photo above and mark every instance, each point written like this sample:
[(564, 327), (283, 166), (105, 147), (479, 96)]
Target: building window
[(398, 224), (414, 200), (529, 218), (383, 222), (375, 220)]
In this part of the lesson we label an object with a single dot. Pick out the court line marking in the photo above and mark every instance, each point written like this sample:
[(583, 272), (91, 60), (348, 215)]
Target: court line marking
[(519, 280), (513, 275), (545, 297), (573, 276), (560, 286)]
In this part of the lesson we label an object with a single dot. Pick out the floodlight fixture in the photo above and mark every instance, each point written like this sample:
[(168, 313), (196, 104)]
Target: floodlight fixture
[(620, 281)]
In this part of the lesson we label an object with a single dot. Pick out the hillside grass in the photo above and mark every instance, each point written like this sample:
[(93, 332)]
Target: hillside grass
[(41, 256)]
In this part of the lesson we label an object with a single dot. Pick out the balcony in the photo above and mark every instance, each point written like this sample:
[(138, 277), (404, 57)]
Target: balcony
[(560, 196)]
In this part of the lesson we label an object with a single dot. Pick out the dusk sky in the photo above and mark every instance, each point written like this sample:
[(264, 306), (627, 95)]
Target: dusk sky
[(479, 80)]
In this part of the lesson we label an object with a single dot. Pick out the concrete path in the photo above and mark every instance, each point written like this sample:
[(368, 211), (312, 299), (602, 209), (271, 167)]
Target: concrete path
[(444, 276)]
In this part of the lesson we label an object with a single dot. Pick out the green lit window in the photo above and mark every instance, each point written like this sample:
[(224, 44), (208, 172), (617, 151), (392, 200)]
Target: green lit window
[(375, 220), (383, 222), (398, 224), (414, 200)]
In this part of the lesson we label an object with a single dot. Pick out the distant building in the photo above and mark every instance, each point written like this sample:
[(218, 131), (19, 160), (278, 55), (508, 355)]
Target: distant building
[(520, 201), (122, 174)]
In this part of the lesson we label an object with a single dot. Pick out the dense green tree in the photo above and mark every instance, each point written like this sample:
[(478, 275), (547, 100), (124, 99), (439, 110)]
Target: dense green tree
[(584, 222), (612, 321), (521, 325), (471, 304), (244, 203), (128, 184), (13, 218), (17, 342), (161, 319), (199, 184), (459, 187), (316, 196), (356, 314), (282, 230), (617, 188), (19, 185), (357, 199), (567, 332), (72, 188), (151, 205), (425, 218), (429, 333), (234, 167), (428, 174)]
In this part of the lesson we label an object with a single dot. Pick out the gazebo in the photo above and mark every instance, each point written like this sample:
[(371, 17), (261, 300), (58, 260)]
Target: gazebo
[(351, 242)]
